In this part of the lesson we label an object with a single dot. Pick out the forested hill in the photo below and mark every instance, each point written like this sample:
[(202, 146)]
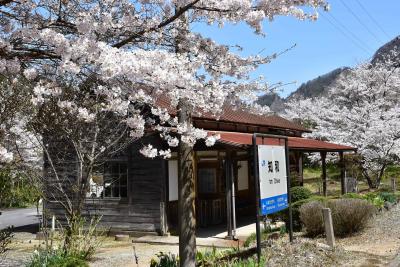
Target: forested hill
[(386, 48), (312, 88), (319, 86)]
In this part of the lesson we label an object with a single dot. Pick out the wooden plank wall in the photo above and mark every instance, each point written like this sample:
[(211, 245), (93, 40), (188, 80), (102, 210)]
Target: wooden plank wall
[(143, 210)]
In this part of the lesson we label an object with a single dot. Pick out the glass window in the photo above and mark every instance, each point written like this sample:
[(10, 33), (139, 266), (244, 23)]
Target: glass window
[(115, 180), (109, 180), (207, 178)]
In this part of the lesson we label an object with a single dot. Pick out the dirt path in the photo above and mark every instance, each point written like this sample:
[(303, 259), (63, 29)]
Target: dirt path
[(379, 243)]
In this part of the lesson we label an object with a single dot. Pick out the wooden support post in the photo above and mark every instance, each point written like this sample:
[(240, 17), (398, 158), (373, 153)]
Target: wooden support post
[(330, 236), (323, 159), (233, 204), (228, 188), (301, 177), (342, 173), (53, 223), (393, 183), (163, 219)]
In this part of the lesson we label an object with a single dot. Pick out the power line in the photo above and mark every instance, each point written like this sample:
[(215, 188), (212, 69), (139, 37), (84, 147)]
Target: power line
[(347, 33), (360, 21), (372, 19)]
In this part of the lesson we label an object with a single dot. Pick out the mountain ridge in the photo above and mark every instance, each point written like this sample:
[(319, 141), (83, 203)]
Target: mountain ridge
[(319, 86)]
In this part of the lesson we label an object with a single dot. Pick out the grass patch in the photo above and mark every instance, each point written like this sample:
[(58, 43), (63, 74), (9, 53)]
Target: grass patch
[(264, 235)]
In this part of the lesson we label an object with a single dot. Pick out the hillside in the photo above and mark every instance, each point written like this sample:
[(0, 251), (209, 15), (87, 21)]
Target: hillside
[(386, 48), (319, 86)]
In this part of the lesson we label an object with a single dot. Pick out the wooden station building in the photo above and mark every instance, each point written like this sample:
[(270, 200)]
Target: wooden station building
[(139, 195)]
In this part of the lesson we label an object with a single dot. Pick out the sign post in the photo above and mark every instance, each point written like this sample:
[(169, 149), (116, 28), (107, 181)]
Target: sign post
[(272, 183)]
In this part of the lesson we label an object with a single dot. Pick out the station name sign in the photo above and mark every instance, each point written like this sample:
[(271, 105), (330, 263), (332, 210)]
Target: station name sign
[(273, 178)]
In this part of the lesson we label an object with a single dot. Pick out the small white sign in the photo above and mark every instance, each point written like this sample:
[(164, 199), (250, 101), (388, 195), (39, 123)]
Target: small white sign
[(273, 178), (173, 180)]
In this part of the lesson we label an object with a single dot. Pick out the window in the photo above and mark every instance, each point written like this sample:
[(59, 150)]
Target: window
[(207, 178), (109, 180), (115, 179)]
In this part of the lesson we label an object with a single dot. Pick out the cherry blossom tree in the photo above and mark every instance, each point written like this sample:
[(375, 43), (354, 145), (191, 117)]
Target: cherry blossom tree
[(361, 110), (125, 55)]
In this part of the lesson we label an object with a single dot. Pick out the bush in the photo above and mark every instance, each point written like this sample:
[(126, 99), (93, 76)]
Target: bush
[(55, 258), (81, 239), (387, 196), (226, 258), (165, 260), (264, 235), (297, 225), (298, 193), (372, 197), (311, 217), (350, 215)]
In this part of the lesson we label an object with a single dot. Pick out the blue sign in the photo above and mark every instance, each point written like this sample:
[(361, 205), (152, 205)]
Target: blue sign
[(272, 178), (273, 204)]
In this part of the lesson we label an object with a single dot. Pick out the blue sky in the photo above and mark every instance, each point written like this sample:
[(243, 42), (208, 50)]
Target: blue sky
[(320, 46)]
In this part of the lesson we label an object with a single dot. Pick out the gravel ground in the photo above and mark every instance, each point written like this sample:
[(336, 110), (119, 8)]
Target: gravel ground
[(304, 253), (20, 250), (377, 245), (118, 254)]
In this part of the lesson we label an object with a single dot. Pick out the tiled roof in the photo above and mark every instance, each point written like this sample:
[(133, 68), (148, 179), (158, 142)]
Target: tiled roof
[(294, 143), (242, 117)]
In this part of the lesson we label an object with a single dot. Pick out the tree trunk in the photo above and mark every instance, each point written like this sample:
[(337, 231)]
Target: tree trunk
[(370, 182), (380, 174), (186, 198), (324, 185)]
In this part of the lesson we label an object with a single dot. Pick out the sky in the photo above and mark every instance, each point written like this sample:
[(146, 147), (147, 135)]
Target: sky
[(347, 35)]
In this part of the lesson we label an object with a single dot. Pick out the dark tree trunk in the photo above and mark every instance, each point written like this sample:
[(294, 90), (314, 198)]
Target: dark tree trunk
[(186, 197), (380, 174), (370, 183), (186, 180), (324, 188), (342, 166)]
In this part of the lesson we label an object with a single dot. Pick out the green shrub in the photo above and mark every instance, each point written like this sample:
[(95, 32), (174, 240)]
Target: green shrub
[(81, 238), (264, 235), (55, 258), (226, 258), (312, 219), (298, 193), (350, 215), (165, 260), (374, 199), (387, 196)]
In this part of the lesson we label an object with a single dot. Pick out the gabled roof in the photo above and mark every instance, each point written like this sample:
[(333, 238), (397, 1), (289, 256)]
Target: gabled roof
[(239, 116)]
